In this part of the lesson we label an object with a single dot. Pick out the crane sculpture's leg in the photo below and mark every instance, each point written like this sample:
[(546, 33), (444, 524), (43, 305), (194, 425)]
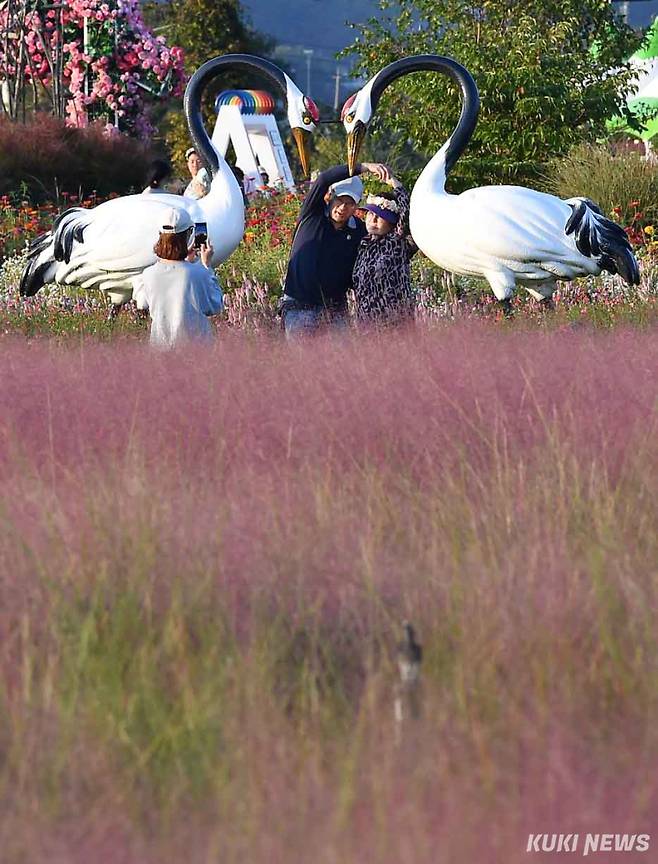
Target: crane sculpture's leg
[(117, 297), (543, 294), (502, 284)]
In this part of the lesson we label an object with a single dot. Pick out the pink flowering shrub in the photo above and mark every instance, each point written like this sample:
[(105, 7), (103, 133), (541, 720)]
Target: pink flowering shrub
[(111, 60)]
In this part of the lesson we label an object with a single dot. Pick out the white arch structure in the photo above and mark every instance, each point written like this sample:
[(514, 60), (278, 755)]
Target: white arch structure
[(245, 119)]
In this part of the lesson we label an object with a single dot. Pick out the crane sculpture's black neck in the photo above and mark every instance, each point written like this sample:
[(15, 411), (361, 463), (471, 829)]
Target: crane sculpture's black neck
[(198, 83), (436, 63)]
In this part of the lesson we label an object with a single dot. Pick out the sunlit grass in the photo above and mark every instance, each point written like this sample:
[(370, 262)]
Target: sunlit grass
[(206, 558)]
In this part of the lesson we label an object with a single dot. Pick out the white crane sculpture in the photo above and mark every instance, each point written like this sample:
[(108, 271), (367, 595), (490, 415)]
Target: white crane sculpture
[(107, 246), (508, 235)]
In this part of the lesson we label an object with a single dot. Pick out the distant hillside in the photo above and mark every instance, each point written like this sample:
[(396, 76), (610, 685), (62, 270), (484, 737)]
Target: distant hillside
[(317, 27), (321, 23), (312, 23), (639, 14)]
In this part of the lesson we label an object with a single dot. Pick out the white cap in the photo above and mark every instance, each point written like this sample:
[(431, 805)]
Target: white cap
[(176, 221), (353, 187)]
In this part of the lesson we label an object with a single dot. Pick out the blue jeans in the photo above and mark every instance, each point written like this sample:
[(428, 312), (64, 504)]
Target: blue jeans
[(310, 320)]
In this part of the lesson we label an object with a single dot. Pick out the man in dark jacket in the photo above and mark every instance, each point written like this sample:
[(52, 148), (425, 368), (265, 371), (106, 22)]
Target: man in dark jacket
[(324, 250)]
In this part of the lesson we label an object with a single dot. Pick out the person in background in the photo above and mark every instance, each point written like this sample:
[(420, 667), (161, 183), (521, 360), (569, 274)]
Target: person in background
[(324, 250), (250, 186), (238, 173), (159, 172), (264, 188), (179, 291), (382, 273), (199, 185)]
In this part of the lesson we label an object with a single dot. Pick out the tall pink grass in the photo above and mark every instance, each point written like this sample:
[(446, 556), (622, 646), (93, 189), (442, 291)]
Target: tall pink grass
[(205, 557)]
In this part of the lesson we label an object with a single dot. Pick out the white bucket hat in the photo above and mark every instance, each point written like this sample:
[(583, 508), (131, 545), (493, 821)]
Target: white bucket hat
[(176, 221), (353, 187)]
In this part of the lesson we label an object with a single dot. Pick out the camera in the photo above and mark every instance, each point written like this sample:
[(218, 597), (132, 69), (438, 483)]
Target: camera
[(200, 234)]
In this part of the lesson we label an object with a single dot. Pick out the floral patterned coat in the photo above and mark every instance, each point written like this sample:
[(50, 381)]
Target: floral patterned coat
[(382, 277)]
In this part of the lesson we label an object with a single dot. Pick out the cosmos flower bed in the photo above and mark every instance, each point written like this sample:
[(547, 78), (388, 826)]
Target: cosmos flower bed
[(253, 279), (206, 556)]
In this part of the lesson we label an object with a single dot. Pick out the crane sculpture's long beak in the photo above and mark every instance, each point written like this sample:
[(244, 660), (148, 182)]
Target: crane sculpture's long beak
[(303, 141), (354, 142)]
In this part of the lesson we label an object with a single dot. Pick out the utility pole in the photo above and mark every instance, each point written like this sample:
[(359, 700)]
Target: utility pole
[(309, 53), (337, 87)]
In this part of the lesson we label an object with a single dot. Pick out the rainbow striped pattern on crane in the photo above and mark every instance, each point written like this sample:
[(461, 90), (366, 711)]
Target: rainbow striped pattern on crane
[(248, 101)]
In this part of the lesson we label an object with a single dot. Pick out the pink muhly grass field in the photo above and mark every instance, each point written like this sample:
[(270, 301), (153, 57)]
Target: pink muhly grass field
[(206, 556)]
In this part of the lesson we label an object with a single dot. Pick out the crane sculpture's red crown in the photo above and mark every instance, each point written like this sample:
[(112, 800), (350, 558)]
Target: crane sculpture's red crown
[(312, 109), (346, 107)]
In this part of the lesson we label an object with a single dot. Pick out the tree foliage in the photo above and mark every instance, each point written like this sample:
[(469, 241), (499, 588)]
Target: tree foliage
[(549, 75), (207, 28), (204, 29)]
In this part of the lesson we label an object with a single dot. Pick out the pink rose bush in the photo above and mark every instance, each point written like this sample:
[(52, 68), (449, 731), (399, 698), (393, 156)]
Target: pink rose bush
[(112, 62)]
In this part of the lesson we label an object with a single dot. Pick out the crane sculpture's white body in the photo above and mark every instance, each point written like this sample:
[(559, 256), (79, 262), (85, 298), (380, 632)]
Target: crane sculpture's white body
[(108, 246), (118, 236), (508, 235), (508, 252)]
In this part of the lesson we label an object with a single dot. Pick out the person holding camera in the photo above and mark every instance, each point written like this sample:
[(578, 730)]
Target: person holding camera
[(179, 291)]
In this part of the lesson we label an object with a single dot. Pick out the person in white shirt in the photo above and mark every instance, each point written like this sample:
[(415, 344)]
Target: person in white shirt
[(249, 186), (199, 185), (179, 291)]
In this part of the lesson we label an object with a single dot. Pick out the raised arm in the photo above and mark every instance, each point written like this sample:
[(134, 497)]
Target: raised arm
[(314, 200), (214, 301), (402, 227), (315, 197)]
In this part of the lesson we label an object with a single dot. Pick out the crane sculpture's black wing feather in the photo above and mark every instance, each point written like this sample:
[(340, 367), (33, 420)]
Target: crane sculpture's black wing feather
[(56, 245), (598, 237)]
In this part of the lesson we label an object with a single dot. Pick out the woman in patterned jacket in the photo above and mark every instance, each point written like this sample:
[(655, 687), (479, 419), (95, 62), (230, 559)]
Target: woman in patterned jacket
[(382, 278)]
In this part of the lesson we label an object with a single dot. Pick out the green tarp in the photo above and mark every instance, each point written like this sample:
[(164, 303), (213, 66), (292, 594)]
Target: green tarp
[(644, 102)]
